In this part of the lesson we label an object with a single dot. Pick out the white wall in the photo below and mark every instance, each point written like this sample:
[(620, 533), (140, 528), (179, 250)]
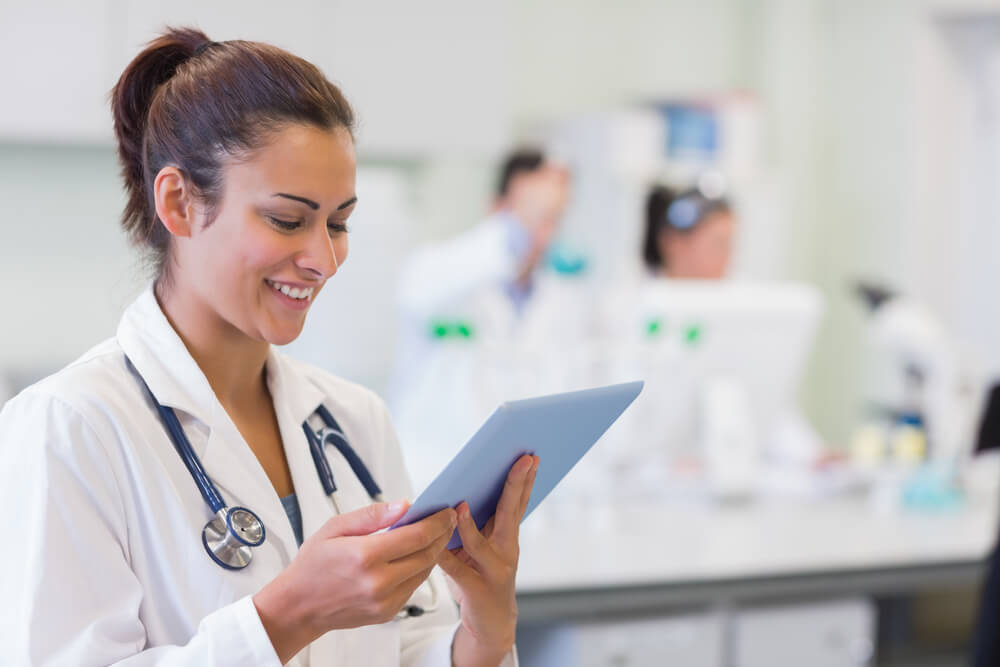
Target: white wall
[(66, 268)]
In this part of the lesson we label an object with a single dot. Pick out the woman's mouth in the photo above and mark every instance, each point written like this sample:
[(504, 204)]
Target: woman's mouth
[(297, 296)]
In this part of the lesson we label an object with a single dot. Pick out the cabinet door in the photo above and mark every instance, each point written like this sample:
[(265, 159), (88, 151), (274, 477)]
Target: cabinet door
[(838, 633), (693, 640), (56, 72)]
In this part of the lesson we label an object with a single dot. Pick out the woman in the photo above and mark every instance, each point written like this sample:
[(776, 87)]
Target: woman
[(689, 235), (239, 169)]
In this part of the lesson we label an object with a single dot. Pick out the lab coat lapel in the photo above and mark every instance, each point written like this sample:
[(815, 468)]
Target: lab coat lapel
[(176, 380), (237, 473), (295, 399), (163, 361)]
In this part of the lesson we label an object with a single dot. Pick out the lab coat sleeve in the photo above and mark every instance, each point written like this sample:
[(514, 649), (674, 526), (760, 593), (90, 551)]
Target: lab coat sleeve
[(440, 276), (425, 641), (69, 594)]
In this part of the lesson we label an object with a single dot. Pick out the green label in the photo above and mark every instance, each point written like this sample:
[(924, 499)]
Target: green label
[(443, 329), (693, 334)]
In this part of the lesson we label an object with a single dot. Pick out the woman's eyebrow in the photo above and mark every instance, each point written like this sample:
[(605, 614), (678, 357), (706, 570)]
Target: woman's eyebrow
[(308, 202)]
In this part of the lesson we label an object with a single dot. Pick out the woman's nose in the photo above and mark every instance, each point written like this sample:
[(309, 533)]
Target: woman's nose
[(319, 255)]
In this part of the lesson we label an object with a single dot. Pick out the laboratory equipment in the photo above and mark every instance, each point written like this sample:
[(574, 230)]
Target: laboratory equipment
[(723, 361), (915, 379)]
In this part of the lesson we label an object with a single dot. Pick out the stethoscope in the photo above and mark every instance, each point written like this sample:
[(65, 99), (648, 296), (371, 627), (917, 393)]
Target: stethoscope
[(232, 533)]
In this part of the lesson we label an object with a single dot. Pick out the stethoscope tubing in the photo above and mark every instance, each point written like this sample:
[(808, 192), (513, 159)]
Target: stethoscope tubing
[(183, 446), (332, 434)]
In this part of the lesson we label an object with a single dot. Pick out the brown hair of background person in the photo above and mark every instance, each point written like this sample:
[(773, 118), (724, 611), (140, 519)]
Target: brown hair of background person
[(521, 160), (185, 92), (676, 221)]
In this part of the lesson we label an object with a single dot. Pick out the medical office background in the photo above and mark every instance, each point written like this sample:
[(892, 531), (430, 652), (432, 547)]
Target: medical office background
[(864, 143)]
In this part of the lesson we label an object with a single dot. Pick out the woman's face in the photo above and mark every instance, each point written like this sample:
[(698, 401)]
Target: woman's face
[(703, 253), (279, 234)]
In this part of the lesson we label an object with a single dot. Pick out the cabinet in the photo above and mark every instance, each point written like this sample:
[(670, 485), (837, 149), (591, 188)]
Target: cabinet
[(694, 640), (835, 633)]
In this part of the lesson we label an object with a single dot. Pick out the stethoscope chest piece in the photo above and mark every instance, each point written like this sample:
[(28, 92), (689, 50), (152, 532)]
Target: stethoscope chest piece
[(229, 536)]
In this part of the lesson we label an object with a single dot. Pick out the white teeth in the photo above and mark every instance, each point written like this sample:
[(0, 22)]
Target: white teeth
[(293, 292)]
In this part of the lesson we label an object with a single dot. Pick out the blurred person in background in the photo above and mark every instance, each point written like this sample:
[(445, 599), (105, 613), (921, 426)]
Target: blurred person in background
[(689, 234), (476, 308)]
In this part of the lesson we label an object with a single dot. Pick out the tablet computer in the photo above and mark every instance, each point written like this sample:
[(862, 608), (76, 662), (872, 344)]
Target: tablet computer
[(558, 428)]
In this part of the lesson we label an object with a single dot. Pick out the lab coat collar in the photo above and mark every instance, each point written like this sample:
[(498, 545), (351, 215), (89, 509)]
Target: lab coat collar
[(299, 395), (176, 380), (174, 377), (158, 353)]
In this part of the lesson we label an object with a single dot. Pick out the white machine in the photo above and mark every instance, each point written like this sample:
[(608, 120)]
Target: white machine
[(916, 372), (722, 362)]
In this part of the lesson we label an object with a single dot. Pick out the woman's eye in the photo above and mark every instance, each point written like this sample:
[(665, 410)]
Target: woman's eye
[(287, 225), (338, 227)]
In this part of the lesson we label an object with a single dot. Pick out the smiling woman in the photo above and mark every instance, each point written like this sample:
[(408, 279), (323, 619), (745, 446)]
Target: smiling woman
[(239, 167)]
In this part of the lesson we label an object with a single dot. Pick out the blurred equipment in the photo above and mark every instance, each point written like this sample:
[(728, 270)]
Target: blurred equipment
[(722, 363), (918, 394)]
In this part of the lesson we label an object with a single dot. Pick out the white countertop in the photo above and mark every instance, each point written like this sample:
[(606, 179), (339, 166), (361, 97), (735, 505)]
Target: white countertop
[(566, 546)]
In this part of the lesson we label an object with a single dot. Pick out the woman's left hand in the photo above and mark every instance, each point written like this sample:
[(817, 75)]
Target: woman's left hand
[(483, 570)]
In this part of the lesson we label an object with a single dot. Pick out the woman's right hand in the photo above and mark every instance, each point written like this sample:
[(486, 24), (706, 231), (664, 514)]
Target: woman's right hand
[(344, 576)]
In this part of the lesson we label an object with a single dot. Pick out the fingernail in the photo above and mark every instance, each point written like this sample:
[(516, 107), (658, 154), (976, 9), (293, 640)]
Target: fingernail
[(397, 506)]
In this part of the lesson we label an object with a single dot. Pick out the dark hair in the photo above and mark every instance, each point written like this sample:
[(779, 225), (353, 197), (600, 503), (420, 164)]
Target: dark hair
[(522, 160), (693, 206), (189, 102)]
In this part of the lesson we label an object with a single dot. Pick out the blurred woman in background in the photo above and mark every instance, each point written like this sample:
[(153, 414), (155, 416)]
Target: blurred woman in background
[(689, 234)]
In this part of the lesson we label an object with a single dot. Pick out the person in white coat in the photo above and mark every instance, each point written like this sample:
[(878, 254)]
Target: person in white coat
[(239, 168), (482, 311)]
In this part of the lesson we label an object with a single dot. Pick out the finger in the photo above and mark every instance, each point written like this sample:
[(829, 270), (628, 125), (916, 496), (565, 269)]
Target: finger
[(364, 521), (528, 486), (508, 513), (406, 540), (403, 568), (457, 569), (473, 542), (404, 591)]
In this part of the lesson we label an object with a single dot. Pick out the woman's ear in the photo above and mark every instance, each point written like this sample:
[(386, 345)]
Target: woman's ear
[(174, 201)]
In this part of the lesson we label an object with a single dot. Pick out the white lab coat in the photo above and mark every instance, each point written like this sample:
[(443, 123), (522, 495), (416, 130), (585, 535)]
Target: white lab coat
[(103, 561), (443, 388)]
